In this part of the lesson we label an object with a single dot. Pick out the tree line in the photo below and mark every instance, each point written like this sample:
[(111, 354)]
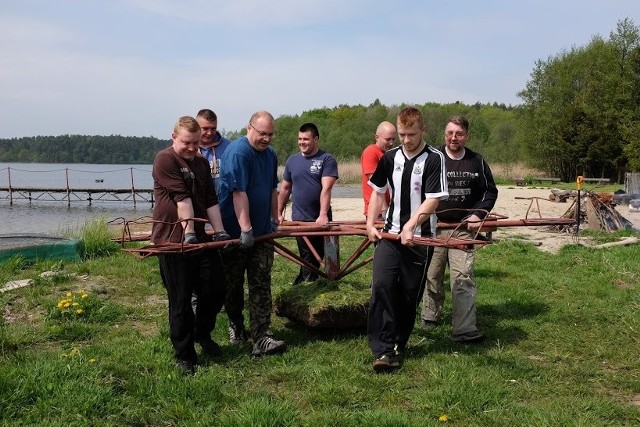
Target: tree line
[(580, 116), (112, 149)]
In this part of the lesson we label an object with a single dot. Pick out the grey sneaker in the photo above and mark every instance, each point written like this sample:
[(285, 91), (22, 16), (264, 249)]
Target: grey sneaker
[(268, 345), (386, 363), (473, 337), (237, 334), (428, 325)]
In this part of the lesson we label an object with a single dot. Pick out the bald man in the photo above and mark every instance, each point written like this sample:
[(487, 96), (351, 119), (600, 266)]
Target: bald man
[(385, 138), (249, 207)]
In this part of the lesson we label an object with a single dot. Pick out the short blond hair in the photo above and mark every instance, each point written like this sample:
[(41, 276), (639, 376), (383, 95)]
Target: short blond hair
[(187, 123)]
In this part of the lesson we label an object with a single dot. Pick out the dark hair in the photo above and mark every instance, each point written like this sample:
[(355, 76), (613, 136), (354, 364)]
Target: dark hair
[(208, 115), (310, 127), (460, 121)]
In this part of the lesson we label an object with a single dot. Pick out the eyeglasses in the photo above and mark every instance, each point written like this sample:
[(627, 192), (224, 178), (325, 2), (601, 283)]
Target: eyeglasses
[(457, 134), (261, 133)]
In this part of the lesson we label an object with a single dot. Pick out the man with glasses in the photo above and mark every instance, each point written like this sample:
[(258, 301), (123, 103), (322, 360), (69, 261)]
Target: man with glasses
[(249, 203), (472, 194)]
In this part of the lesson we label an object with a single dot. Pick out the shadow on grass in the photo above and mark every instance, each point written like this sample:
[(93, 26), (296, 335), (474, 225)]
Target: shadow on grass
[(496, 320), (491, 320)]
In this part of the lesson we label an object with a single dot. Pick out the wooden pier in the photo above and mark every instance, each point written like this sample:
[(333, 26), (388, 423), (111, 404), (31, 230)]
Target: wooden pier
[(71, 194)]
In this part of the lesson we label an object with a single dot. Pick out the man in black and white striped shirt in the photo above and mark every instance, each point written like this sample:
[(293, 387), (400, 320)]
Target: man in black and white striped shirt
[(416, 176)]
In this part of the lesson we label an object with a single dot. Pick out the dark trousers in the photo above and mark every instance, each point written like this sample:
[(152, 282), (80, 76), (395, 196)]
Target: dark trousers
[(305, 253), (183, 275), (398, 279)]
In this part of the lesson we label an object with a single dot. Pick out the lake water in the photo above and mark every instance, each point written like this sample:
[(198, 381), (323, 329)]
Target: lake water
[(55, 217)]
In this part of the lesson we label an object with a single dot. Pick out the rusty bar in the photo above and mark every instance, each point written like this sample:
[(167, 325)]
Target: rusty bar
[(291, 256), (356, 254), (355, 267), (313, 250)]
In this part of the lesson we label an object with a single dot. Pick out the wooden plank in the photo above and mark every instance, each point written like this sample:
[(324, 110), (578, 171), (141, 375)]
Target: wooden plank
[(593, 221)]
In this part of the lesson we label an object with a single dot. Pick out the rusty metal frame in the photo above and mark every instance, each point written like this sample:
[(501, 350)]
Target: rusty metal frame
[(332, 269)]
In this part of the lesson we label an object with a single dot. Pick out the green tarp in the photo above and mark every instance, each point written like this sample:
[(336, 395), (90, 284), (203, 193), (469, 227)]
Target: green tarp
[(38, 247)]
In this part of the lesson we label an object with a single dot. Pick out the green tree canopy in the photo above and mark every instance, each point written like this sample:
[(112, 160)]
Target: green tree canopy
[(579, 109)]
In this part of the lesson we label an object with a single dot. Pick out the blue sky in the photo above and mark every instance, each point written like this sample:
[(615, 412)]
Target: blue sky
[(132, 67)]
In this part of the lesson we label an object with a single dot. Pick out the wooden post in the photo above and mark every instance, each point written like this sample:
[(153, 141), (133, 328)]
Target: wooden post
[(133, 187), (332, 255), (10, 188), (66, 173)]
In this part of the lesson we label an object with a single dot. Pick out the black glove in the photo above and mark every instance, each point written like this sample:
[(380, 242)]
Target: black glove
[(219, 236), (274, 225), (246, 239), (190, 238)]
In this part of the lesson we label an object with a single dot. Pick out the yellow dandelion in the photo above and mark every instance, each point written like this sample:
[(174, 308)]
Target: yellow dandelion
[(69, 294), (75, 304), (443, 418), (74, 351), (60, 304), (85, 295), (79, 311), (92, 360), (66, 304)]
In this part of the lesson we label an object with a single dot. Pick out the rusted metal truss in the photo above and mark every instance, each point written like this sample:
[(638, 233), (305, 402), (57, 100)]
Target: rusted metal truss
[(330, 267)]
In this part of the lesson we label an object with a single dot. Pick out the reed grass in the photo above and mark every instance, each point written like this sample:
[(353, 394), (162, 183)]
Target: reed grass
[(351, 172)]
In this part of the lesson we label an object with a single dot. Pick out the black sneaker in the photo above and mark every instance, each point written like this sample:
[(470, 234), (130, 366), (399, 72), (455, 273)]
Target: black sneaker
[(237, 334), (472, 337), (210, 348), (187, 367), (268, 345), (386, 363)]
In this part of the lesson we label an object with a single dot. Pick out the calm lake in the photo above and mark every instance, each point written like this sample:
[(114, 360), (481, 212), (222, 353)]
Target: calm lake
[(55, 217)]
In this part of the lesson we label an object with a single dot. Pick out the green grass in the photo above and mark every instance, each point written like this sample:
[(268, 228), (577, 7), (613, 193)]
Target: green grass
[(96, 238), (563, 343)]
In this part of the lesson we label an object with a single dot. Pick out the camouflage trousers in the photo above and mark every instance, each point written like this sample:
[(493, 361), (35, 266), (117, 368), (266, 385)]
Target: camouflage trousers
[(257, 262)]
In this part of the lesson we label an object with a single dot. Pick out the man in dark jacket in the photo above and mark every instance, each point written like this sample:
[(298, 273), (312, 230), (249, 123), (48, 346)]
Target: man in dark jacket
[(472, 194)]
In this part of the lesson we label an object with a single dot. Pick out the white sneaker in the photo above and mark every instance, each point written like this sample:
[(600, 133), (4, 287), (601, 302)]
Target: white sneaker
[(267, 345)]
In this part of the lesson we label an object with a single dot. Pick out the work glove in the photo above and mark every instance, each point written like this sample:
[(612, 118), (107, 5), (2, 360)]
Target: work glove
[(219, 236), (246, 239), (274, 225), (190, 238)]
